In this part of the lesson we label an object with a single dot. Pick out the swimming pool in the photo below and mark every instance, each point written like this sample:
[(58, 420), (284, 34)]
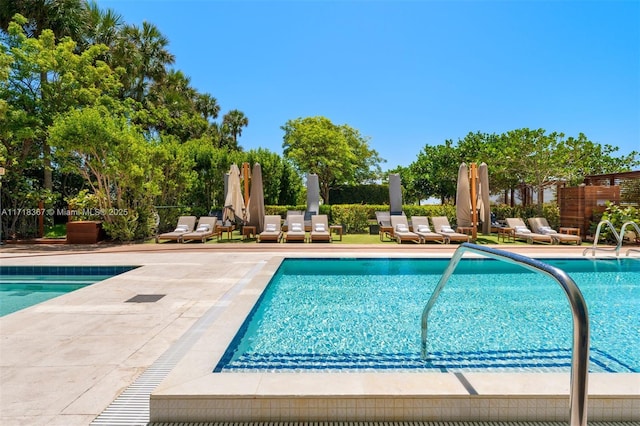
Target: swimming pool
[(364, 314), (24, 286)]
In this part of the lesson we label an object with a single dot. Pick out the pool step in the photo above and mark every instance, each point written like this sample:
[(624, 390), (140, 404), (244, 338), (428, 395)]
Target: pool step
[(542, 360)]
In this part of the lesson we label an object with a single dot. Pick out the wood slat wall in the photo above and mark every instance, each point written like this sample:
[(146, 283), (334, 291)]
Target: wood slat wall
[(579, 204)]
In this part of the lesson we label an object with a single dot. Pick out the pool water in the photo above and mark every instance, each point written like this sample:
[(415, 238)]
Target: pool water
[(24, 286), (355, 314)]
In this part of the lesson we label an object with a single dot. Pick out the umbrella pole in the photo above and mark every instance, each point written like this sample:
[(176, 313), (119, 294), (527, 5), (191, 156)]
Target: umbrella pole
[(245, 175), (474, 202)]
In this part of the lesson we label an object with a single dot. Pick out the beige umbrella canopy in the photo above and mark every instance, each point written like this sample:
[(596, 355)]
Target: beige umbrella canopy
[(256, 199), (234, 210), (463, 197)]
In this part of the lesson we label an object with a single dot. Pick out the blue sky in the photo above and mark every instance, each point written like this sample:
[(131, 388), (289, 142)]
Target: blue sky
[(411, 73)]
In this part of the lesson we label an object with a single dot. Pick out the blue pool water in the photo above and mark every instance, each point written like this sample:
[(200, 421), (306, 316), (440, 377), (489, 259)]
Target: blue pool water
[(364, 314), (24, 286)]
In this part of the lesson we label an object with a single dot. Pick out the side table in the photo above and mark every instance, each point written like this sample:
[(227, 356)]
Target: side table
[(569, 230), (507, 235), (248, 231), (336, 229), (465, 230), (225, 228)]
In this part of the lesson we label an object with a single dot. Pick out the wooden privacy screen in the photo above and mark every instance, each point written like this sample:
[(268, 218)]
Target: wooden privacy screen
[(579, 204)]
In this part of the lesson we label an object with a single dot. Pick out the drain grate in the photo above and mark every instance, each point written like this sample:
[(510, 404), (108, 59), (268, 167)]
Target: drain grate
[(145, 298), (417, 423)]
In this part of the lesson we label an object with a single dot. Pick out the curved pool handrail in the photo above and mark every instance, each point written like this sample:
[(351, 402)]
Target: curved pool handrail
[(580, 348), (624, 225), (595, 247)]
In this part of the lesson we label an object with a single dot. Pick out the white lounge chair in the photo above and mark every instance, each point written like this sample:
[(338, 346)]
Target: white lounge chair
[(540, 225), (521, 232), (185, 225), (420, 225), (401, 231), (206, 229), (295, 228), (320, 228), (441, 226), (272, 229)]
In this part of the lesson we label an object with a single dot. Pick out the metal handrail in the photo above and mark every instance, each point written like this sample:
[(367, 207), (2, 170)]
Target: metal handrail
[(624, 225), (595, 240), (580, 349)]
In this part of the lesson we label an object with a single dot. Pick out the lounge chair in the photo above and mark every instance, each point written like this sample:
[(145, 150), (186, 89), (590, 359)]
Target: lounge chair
[(540, 225), (521, 232), (401, 231), (185, 225), (285, 226), (206, 229), (384, 225), (420, 225), (295, 228), (441, 226), (272, 229), (320, 228)]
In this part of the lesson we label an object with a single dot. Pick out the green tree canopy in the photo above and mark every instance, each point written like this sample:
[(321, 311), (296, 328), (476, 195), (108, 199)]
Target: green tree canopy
[(116, 162), (338, 154), (434, 173)]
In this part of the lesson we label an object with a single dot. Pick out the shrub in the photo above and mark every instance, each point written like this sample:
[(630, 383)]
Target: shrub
[(618, 215), (354, 218)]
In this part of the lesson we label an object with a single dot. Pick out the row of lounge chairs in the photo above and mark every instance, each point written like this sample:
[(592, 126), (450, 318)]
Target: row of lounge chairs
[(540, 232), (296, 229), (396, 228), (186, 229), (420, 231)]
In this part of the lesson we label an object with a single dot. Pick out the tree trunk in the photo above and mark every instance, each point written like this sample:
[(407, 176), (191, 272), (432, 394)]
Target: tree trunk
[(48, 175)]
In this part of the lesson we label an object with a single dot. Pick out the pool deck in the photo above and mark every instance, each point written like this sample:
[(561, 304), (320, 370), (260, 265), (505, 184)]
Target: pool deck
[(65, 361)]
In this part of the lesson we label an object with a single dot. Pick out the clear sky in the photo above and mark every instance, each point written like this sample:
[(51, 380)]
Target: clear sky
[(411, 73)]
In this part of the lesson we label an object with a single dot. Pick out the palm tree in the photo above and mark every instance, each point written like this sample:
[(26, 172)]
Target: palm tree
[(143, 54), (63, 17), (207, 105), (235, 120), (102, 27)]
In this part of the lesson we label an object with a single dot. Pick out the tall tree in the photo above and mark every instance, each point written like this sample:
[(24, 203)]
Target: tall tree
[(73, 80), (143, 53), (339, 155), (435, 171), (581, 157), (101, 27), (64, 18), (234, 121), (116, 162)]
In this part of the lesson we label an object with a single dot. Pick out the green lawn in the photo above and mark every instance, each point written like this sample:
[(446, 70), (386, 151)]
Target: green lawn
[(351, 239), (55, 231)]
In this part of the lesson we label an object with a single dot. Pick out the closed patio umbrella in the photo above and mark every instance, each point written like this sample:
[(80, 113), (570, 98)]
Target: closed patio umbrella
[(483, 198), (463, 197), (395, 194), (313, 193), (234, 203), (256, 199)]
